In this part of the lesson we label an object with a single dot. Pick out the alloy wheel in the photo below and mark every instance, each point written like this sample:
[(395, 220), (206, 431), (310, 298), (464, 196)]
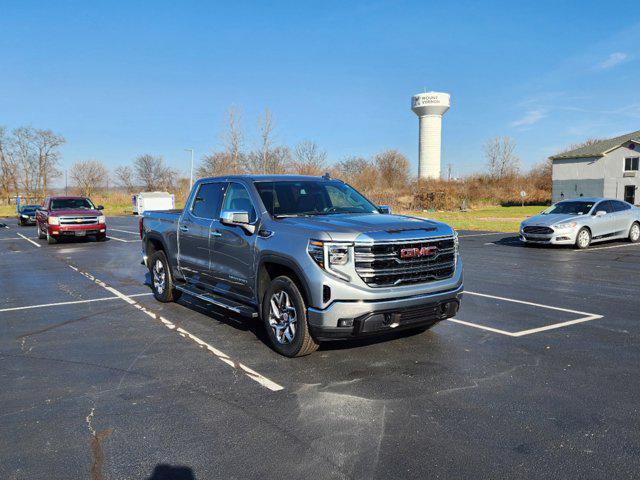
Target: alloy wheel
[(159, 277), (282, 317), (634, 235), (583, 239)]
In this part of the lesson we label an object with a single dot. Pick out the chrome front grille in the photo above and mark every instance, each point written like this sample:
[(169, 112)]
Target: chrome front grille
[(79, 220), (383, 265), (538, 230)]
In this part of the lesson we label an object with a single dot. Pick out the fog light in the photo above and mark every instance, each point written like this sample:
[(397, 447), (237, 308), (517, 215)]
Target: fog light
[(102, 230), (345, 322), (55, 232)]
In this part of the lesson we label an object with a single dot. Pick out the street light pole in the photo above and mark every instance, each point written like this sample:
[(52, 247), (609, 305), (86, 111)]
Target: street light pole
[(191, 174)]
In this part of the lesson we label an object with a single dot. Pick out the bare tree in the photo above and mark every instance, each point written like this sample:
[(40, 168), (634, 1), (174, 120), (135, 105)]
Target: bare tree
[(26, 160), (47, 144), (8, 166), (88, 176), (124, 178), (234, 140), (501, 159), (358, 172), (152, 173), (266, 132), (393, 168), (309, 159), (218, 163)]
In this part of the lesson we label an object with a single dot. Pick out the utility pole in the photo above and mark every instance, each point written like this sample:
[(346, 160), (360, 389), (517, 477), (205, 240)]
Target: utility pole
[(191, 174)]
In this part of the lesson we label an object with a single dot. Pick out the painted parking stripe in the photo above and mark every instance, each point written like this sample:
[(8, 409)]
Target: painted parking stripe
[(72, 302), (249, 372), (11, 238), (591, 249), (124, 231), (28, 240), (586, 317), (123, 240)]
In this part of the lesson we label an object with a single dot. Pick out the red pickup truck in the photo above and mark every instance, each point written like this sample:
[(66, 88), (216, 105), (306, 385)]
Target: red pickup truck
[(70, 217)]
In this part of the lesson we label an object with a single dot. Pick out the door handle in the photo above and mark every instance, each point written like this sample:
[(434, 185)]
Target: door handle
[(184, 228), (215, 233)]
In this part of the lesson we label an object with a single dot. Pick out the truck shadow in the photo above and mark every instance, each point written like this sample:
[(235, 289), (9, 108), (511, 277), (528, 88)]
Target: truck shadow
[(163, 471)]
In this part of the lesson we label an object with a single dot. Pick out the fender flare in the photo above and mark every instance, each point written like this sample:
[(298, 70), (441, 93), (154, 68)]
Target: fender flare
[(285, 262)]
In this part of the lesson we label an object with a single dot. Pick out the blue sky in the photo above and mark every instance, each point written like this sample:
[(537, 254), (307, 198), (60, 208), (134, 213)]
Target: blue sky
[(119, 79)]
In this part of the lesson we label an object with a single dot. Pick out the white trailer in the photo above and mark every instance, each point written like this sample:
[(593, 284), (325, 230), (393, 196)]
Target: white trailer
[(152, 201)]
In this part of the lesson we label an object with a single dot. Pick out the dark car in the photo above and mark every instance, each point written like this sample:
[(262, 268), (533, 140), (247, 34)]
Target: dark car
[(70, 217), (27, 214)]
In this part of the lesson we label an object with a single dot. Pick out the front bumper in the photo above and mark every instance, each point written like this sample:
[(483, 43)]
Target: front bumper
[(77, 230), (562, 237), (351, 319)]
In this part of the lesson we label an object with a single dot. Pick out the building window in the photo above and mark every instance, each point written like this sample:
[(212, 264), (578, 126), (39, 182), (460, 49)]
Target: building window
[(631, 163)]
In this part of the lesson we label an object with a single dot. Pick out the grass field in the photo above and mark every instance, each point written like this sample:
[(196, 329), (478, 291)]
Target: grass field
[(498, 219), (495, 219)]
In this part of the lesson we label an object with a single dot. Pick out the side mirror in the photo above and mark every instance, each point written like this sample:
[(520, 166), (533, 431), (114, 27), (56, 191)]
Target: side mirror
[(386, 209), (237, 218), (600, 213), (100, 207)]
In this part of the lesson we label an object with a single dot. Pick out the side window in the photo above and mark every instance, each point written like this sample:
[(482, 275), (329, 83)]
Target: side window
[(619, 206), (237, 199), (207, 201), (631, 164), (605, 206)]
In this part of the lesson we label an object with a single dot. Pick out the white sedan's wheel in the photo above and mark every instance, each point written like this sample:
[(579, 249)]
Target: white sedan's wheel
[(583, 239), (634, 233)]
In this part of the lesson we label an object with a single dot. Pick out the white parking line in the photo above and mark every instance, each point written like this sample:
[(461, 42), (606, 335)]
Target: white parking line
[(585, 318), (11, 238), (123, 240), (252, 374), (28, 240), (591, 249), (124, 231), (72, 302)]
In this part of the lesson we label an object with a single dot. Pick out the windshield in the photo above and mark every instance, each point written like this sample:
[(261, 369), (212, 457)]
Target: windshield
[(29, 208), (72, 203), (312, 197), (570, 208)]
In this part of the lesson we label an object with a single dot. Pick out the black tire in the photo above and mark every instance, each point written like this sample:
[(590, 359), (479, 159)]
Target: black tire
[(634, 232), (583, 238), (164, 291), (302, 342), (51, 240), (41, 235), (101, 238), (22, 224)]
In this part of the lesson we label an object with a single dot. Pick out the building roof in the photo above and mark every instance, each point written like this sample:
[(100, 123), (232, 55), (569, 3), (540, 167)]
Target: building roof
[(600, 148)]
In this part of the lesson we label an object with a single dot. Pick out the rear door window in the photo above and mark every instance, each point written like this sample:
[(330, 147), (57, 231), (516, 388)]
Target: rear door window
[(619, 206), (208, 199)]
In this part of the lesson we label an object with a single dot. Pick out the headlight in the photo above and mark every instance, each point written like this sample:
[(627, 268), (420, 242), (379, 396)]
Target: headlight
[(565, 226), (329, 255), (102, 219), (53, 221), (24, 216)]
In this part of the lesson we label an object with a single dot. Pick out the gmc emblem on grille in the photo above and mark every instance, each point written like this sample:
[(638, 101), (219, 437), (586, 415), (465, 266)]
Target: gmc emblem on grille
[(418, 252)]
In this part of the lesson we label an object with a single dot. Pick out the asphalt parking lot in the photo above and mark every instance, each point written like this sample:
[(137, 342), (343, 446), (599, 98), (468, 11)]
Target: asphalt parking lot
[(536, 377)]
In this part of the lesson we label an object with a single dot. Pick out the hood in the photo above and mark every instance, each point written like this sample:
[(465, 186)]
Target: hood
[(551, 219), (75, 211), (366, 226)]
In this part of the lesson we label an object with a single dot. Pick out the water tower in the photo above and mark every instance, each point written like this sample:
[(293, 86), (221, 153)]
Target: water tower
[(430, 107)]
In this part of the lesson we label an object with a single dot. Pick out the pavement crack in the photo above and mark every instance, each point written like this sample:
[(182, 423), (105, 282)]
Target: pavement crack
[(96, 445)]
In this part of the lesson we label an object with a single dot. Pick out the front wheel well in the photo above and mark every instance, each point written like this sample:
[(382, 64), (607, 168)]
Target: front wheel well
[(269, 271), (153, 245)]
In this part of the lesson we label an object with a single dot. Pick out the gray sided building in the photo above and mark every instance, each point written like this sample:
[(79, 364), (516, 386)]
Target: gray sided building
[(609, 168)]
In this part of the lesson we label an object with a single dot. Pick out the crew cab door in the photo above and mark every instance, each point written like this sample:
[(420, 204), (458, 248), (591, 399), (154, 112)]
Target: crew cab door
[(232, 260), (195, 239)]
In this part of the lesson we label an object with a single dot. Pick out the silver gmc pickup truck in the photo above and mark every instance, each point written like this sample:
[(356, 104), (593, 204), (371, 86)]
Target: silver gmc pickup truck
[(311, 257)]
